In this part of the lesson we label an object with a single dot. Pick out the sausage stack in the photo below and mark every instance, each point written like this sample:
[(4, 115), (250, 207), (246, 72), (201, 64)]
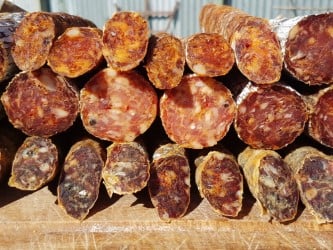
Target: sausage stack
[(246, 102)]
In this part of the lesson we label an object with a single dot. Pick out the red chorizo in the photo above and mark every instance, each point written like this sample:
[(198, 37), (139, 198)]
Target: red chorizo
[(198, 112), (125, 40), (41, 102), (76, 52), (256, 47), (165, 61), (117, 106), (34, 36), (209, 54)]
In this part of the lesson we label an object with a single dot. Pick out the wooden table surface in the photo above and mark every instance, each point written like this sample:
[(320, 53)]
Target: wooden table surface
[(33, 220)]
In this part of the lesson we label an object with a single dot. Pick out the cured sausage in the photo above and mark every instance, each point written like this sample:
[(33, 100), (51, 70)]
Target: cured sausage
[(10, 140), (269, 117), (117, 106), (220, 181), (169, 183), (77, 51), (256, 47), (80, 178), (8, 24), (209, 54), (308, 49), (271, 182), (126, 169), (34, 36), (40, 102), (7, 6), (165, 61), (313, 172), (320, 125), (125, 40), (198, 112), (35, 164)]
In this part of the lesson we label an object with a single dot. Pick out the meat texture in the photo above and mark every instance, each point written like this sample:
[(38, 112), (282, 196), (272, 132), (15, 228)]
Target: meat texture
[(271, 182), (313, 172), (256, 47)]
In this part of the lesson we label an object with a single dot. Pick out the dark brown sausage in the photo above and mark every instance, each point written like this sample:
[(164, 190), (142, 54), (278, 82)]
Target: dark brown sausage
[(313, 171), (8, 24), (80, 179), (35, 164), (169, 183), (271, 182), (198, 112), (40, 102), (308, 49), (320, 125), (269, 117), (10, 140), (34, 37), (126, 169)]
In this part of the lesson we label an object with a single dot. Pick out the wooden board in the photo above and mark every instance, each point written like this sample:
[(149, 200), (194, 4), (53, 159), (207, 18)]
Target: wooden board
[(33, 220)]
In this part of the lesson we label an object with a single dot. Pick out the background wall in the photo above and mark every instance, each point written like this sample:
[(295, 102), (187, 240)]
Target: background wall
[(185, 21)]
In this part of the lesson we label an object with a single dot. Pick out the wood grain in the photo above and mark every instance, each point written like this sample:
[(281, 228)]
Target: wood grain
[(33, 220)]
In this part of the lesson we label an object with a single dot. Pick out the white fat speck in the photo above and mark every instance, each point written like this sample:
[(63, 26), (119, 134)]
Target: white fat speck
[(193, 126), (111, 72), (208, 117), (43, 150), (132, 112), (288, 116), (197, 108), (122, 81), (199, 69), (83, 193), (59, 112), (188, 181), (239, 193), (268, 182), (116, 102), (73, 32), (120, 173), (299, 55), (44, 167), (263, 105), (226, 177), (196, 145)]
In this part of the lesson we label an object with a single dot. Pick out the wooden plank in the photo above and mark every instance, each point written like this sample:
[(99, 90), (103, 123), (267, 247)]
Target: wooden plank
[(33, 220)]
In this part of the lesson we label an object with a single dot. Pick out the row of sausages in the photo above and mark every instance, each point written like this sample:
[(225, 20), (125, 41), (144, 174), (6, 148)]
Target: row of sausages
[(191, 87), (196, 114), (126, 167)]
